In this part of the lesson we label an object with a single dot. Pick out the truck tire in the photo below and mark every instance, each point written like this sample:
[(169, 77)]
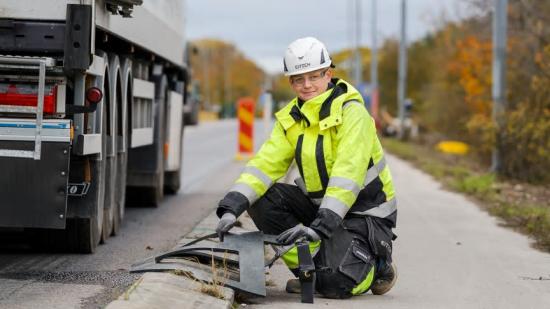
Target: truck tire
[(116, 167), (172, 180), (153, 195), (120, 198), (121, 161), (84, 234), (84, 230), (110, 187), (80, 235)]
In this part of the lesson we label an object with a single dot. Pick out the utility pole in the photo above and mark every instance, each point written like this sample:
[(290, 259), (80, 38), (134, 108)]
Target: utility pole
[(499, 77), (402, 75), (205, 55), (374, 64), (227, 65), (358, 69)]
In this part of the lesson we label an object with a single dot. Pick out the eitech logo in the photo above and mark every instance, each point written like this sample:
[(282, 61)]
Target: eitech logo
[(301, 66)]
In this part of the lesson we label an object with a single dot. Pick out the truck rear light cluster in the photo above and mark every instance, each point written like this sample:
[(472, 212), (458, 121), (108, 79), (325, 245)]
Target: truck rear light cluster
[(27, 95)]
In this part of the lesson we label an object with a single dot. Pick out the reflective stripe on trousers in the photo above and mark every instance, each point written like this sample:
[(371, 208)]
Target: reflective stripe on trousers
[(290, 255)]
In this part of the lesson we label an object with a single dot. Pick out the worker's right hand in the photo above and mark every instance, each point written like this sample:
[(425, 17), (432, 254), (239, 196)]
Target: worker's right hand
[(227, 221), (291, 235)]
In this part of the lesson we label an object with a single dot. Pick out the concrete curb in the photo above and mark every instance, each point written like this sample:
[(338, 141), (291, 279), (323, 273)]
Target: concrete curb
[(167, 290)]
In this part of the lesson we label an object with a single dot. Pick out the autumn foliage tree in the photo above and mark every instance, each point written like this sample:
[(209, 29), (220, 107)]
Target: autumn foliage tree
[(454, 91), (224, 73)]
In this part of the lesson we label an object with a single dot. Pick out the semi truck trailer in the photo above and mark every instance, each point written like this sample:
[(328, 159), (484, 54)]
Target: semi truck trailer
[(92, 94)]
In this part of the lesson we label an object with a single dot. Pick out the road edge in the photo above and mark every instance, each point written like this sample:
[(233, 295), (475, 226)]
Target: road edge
[(168, 290)]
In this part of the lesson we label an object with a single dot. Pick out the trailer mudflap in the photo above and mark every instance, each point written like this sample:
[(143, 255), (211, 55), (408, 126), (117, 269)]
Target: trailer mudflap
[(33, 193)]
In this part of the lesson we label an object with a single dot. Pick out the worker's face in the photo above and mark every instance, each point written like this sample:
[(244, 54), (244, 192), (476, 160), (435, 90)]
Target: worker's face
[(310, 84)]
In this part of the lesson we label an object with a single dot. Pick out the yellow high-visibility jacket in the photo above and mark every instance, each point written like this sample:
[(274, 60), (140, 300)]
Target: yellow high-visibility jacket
[(333, 139)]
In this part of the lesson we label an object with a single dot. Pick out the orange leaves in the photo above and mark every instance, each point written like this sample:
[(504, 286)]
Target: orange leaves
[(224, 73), (472, 66)]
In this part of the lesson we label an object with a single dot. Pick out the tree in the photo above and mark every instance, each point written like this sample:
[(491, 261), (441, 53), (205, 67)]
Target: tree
[(224, 73)]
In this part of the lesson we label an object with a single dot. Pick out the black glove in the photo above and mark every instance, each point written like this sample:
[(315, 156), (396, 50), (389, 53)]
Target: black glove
[(292, 234), (326, 222), (227, 221)]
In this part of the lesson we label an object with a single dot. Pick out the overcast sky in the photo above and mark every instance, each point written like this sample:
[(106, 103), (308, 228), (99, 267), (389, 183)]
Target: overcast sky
[(262, 29)]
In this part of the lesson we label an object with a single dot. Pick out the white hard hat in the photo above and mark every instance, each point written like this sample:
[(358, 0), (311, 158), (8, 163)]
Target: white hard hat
[(305, 55)]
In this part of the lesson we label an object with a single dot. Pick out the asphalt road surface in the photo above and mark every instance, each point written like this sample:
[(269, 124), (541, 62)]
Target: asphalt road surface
[(450, 254)]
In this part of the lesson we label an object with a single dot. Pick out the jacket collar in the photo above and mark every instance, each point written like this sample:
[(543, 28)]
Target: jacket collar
[(324, 110)]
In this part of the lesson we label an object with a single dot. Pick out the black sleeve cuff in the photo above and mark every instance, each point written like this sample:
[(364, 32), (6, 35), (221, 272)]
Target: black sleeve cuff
[(234, 202), (326, 222)]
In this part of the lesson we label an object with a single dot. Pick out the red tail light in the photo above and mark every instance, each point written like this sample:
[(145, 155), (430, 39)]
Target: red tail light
[(94, 95), (27, 95)]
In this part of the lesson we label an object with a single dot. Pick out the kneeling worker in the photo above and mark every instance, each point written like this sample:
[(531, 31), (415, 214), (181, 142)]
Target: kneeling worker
[(343, 203)]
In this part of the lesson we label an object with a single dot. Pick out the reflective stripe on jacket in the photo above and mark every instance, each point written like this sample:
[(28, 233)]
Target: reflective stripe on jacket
[(333, 139)]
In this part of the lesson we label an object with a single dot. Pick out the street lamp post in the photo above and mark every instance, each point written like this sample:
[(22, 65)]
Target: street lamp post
[(499, 77), (402, 74), (374, 64), (358, 66)]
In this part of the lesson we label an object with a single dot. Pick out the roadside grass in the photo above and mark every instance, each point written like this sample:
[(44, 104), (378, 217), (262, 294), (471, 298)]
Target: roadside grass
[(523, 207), (220, 274), (215, 288)]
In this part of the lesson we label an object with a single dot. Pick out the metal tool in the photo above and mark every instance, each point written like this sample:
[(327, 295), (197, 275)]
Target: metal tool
[(306, 272), (248, 246)]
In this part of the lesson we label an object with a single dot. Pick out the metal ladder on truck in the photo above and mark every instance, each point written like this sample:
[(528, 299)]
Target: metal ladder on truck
[(27, 63)]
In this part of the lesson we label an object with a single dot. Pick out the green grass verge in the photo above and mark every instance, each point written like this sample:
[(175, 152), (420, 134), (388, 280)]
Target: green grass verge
[(461, 175)]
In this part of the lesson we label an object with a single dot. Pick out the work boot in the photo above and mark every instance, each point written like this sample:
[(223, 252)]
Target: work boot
[(293, 286), (385, 279)]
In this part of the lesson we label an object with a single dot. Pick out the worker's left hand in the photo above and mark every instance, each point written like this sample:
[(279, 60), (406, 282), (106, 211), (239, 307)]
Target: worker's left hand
[(291, 235)]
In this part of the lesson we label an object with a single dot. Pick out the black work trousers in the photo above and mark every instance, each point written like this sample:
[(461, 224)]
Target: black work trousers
[(347, 257)]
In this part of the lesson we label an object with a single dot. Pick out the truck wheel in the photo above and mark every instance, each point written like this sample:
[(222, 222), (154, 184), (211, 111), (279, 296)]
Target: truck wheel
[(148, 191), (82, 235), (110, 204), (84, 232), (153, 195), (172, 180), (121, 172), (110, 165), (120, 196)]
